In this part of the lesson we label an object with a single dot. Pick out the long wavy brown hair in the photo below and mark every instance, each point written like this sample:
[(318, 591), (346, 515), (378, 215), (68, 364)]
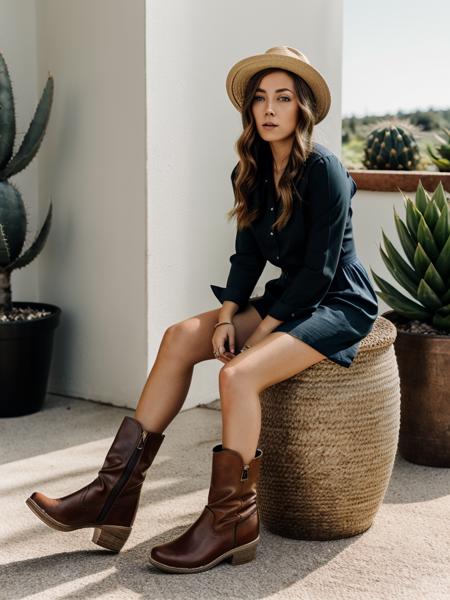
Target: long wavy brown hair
[(253, 153)]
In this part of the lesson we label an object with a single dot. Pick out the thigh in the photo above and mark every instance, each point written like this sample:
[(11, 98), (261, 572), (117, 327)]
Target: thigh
[(275, 358), (193, 336)]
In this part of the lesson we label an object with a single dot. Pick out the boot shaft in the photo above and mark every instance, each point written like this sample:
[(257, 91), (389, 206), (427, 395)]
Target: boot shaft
[(233, 483)]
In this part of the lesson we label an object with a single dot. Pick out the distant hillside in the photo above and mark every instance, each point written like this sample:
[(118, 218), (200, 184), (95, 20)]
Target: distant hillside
[(424, 125)]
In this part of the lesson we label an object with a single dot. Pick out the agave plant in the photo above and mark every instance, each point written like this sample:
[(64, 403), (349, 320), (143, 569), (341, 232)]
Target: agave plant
[(425, 274), (441, 154), (13, 218)]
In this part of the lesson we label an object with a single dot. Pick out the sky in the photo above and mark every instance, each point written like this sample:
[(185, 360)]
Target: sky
[(395, 56)]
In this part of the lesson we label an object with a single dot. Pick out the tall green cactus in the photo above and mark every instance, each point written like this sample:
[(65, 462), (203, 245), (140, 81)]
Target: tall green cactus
[(13, 218), (425, 275)]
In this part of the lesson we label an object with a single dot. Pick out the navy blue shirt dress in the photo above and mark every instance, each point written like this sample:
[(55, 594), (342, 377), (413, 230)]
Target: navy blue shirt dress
[(323, 295)]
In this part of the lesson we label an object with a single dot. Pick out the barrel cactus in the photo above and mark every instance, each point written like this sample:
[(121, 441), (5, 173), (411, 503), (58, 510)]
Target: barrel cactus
[(441, 154), (393, 148), (13, 218), (425, 275)]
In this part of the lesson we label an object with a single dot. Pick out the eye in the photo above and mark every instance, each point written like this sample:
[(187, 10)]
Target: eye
[(285, 97)]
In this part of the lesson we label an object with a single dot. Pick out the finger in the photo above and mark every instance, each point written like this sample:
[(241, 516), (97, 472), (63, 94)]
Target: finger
[(231, 338)]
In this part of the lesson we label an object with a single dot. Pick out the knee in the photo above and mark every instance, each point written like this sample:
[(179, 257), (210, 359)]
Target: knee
[(177, 336), (231, 377)]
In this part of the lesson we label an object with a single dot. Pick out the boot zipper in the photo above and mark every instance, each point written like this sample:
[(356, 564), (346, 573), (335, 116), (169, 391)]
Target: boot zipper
[(244, 474), (117, 488)]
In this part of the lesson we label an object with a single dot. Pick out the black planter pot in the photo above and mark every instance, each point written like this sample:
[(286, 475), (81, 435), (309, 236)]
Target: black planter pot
[(25, 358)]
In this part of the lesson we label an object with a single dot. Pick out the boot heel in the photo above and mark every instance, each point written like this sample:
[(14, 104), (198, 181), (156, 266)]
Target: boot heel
[(112, 537), (245, 554)]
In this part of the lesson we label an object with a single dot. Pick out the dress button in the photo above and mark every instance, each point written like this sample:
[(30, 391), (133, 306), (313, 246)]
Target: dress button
[(271, 233), (271, 208), (292, 314), (265, 180), (278, 257)]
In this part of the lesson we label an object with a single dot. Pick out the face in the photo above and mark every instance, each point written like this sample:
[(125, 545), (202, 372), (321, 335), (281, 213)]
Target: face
[(275, 100)]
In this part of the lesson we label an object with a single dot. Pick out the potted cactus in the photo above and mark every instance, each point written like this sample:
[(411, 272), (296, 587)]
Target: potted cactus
[(26, 328), (392, 146), (422, 345)]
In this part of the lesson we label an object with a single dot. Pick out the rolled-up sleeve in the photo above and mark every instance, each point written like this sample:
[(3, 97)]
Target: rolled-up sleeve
[(328, 207), (247, 264)]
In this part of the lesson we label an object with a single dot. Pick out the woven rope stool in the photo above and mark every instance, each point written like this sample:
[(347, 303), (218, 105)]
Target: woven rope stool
[(329, 437)]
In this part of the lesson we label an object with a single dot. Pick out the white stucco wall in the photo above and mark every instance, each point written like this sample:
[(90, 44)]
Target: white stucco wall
[(93, 166), (137, 159)]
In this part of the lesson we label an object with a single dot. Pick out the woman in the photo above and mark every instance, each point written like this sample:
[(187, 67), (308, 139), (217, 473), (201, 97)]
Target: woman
[(293, 208)]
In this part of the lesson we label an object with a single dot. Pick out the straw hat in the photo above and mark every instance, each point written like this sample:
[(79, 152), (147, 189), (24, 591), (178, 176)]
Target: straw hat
[(283, 57)]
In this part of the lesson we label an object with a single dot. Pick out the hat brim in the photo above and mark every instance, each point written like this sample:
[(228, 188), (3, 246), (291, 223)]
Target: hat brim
[(241, 72)]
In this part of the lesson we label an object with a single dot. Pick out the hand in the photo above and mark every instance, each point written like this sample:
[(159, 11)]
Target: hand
[(224, 336), (257, 335)]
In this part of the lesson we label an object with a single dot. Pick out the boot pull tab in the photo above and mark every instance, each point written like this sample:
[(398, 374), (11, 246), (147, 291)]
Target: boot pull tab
[(244, 474), (142, 440)]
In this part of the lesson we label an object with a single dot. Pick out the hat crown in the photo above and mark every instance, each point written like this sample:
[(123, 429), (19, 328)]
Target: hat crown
[(288, 51)]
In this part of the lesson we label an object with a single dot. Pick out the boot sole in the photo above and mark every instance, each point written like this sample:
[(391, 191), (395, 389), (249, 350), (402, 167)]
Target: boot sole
[(237, 556), (111, 537)]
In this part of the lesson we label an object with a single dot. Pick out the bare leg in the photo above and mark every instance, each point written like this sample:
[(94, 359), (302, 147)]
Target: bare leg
[(275, 358), (183, 345)]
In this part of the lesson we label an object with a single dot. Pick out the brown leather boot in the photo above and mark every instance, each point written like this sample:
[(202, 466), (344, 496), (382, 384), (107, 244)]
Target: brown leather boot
[(228, 527), (110, 502)]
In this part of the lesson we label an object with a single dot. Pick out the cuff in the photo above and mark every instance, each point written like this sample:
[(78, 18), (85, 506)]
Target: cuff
[(234, 295)]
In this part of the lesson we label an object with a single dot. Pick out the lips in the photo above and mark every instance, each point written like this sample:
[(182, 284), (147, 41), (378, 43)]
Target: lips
[(269, 125)]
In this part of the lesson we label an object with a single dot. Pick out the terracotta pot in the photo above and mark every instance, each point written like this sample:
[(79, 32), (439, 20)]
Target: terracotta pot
[(424, 369)]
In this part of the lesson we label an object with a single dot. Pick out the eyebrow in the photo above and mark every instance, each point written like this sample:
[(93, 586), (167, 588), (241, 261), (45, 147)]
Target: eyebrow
[(276, 91)]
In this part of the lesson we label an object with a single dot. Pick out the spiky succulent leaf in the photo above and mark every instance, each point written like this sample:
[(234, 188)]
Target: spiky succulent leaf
[(36, 246), (412, 218), (431, 215), (439, 196), (441, 230), (441, 322), (403, 310), (434, 280), (421, 260), (446, 297), (443, 261), (406, 239), (425, 237), (398, 261), (402, 279), (34, 136), (444, 310), (7, 115), (426, 295), (421, 198), (402, 302)]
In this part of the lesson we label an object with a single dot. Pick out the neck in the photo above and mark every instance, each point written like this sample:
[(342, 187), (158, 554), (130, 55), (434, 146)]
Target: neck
[(280, 154)]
